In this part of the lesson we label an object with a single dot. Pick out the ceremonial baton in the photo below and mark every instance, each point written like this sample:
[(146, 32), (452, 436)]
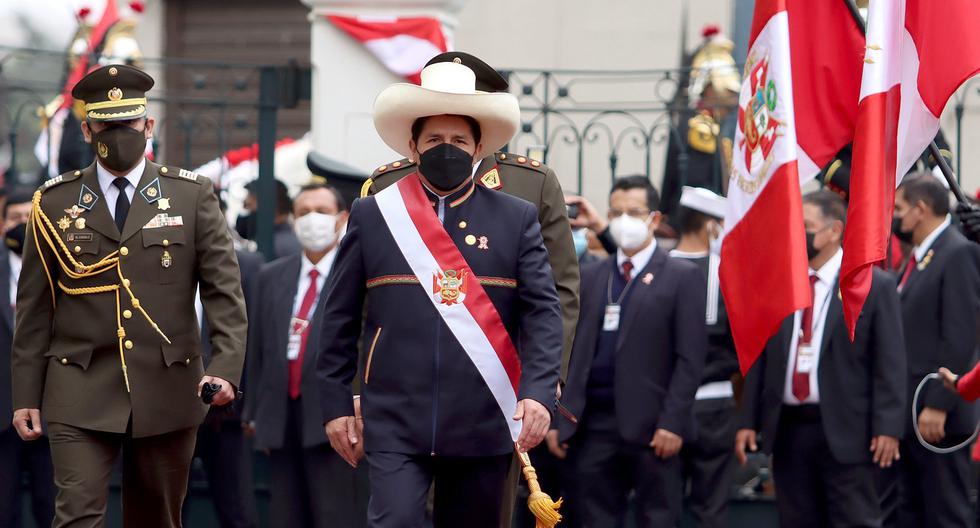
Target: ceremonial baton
[(915, 422)]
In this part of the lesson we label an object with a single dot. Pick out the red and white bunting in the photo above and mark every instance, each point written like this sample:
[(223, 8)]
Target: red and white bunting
[(403, 45)]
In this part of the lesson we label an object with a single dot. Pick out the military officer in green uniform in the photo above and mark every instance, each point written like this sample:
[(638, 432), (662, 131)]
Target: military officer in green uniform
[(518, 176), (107, 352)]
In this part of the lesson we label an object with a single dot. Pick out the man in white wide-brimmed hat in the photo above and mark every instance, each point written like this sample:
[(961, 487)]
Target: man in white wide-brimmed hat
[(451, 273)]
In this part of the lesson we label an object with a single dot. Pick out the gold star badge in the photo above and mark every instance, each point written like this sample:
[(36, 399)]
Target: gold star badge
[(163, 204), (64, 223)]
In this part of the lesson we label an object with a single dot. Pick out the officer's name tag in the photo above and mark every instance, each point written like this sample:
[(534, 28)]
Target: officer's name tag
[(296, 328), (610, 323), (804, 359)]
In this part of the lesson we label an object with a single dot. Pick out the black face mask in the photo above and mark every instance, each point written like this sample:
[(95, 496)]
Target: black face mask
[(904, 236), (246, 225), (119, 147), (811, 250), (14, 239), (446, 166)]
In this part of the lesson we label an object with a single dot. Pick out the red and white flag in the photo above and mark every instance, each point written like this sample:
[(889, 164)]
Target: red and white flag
[(918, 53), (403, 45), (796, 111)]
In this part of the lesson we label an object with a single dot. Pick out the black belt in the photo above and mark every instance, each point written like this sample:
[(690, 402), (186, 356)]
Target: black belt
[(807, 413)]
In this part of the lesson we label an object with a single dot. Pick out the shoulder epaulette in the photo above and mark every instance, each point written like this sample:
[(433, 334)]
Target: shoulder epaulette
[(515, 160), (396, 165), (183, 174), (702, 133), (59, 179)]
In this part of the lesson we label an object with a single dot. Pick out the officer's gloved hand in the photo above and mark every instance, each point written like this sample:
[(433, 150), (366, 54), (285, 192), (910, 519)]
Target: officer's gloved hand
[(969, 215)]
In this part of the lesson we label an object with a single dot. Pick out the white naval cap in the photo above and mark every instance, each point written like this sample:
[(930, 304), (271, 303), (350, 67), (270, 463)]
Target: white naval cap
[(704, 201)]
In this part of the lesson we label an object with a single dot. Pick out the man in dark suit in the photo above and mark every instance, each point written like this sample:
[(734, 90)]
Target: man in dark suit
[(18, 457), (826, 408), (462, 327), (310, 484), (938, 287), (636, 364), (221, 443)]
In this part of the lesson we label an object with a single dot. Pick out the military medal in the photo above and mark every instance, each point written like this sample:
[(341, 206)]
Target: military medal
[(74, 211), (163, 204), (64, 223), (79, 223), (166, 261), (483, 243)]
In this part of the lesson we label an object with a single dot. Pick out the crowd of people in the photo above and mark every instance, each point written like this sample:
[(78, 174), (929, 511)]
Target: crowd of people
[(626, 395)]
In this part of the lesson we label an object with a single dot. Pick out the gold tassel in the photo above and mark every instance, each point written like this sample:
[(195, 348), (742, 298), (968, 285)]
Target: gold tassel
[(544, 509)]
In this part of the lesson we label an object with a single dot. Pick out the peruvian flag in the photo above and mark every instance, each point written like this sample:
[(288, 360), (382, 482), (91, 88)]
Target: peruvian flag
[(403, 45), (789, 79), (918, 53)]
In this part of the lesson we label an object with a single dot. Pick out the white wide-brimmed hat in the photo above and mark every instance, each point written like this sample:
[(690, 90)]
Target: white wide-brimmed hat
[(447, 88)]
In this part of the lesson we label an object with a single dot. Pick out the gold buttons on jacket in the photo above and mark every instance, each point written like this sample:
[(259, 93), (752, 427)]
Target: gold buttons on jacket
[(127, 314), (470, 240), (166, 242), (64, 361), (124, 251), (78, 249), (462, 224), (128, 344)]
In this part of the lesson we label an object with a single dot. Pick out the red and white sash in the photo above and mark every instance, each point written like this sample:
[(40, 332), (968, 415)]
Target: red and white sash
[(456, 293)]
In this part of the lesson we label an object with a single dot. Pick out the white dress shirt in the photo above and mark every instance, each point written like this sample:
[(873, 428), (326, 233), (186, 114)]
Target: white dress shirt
[(826, 277), (639, 261), (15, 266), (111, 192), (923, 248), (305, 267)]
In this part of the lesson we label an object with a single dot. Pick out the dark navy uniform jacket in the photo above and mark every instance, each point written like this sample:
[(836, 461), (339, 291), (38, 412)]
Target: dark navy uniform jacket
[(421, 394)]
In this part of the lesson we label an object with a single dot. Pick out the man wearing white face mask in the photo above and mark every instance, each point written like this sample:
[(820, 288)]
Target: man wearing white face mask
[(310, 485), (636, 365)]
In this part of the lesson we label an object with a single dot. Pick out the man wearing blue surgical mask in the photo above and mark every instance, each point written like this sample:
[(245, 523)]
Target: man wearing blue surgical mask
[(636, 365)]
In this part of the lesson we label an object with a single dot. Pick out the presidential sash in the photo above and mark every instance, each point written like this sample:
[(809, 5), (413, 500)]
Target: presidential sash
[(456, 293)]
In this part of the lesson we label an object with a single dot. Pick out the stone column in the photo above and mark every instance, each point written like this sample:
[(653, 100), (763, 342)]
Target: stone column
[(347, 77)]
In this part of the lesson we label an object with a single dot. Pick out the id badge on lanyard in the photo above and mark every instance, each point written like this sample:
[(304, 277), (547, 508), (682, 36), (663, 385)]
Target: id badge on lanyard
[(297, 327), (805, 358), (610, 323)]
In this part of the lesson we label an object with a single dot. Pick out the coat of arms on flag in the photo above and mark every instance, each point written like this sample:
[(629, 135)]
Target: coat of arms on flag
[(449, 287), (757, 123)]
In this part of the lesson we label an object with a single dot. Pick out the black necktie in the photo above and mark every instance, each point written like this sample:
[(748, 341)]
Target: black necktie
[(122, 203)]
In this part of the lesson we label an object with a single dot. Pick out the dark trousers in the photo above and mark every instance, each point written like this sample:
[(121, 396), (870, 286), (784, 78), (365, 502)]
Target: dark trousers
[(154, 480), (709, 462), (313, 486), (934, 489), (468, 491), (813, 489), (605, 469), (221, 446), (18, 458)]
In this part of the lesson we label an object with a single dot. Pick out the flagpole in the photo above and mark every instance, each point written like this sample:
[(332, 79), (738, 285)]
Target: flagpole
[(933, 148)]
